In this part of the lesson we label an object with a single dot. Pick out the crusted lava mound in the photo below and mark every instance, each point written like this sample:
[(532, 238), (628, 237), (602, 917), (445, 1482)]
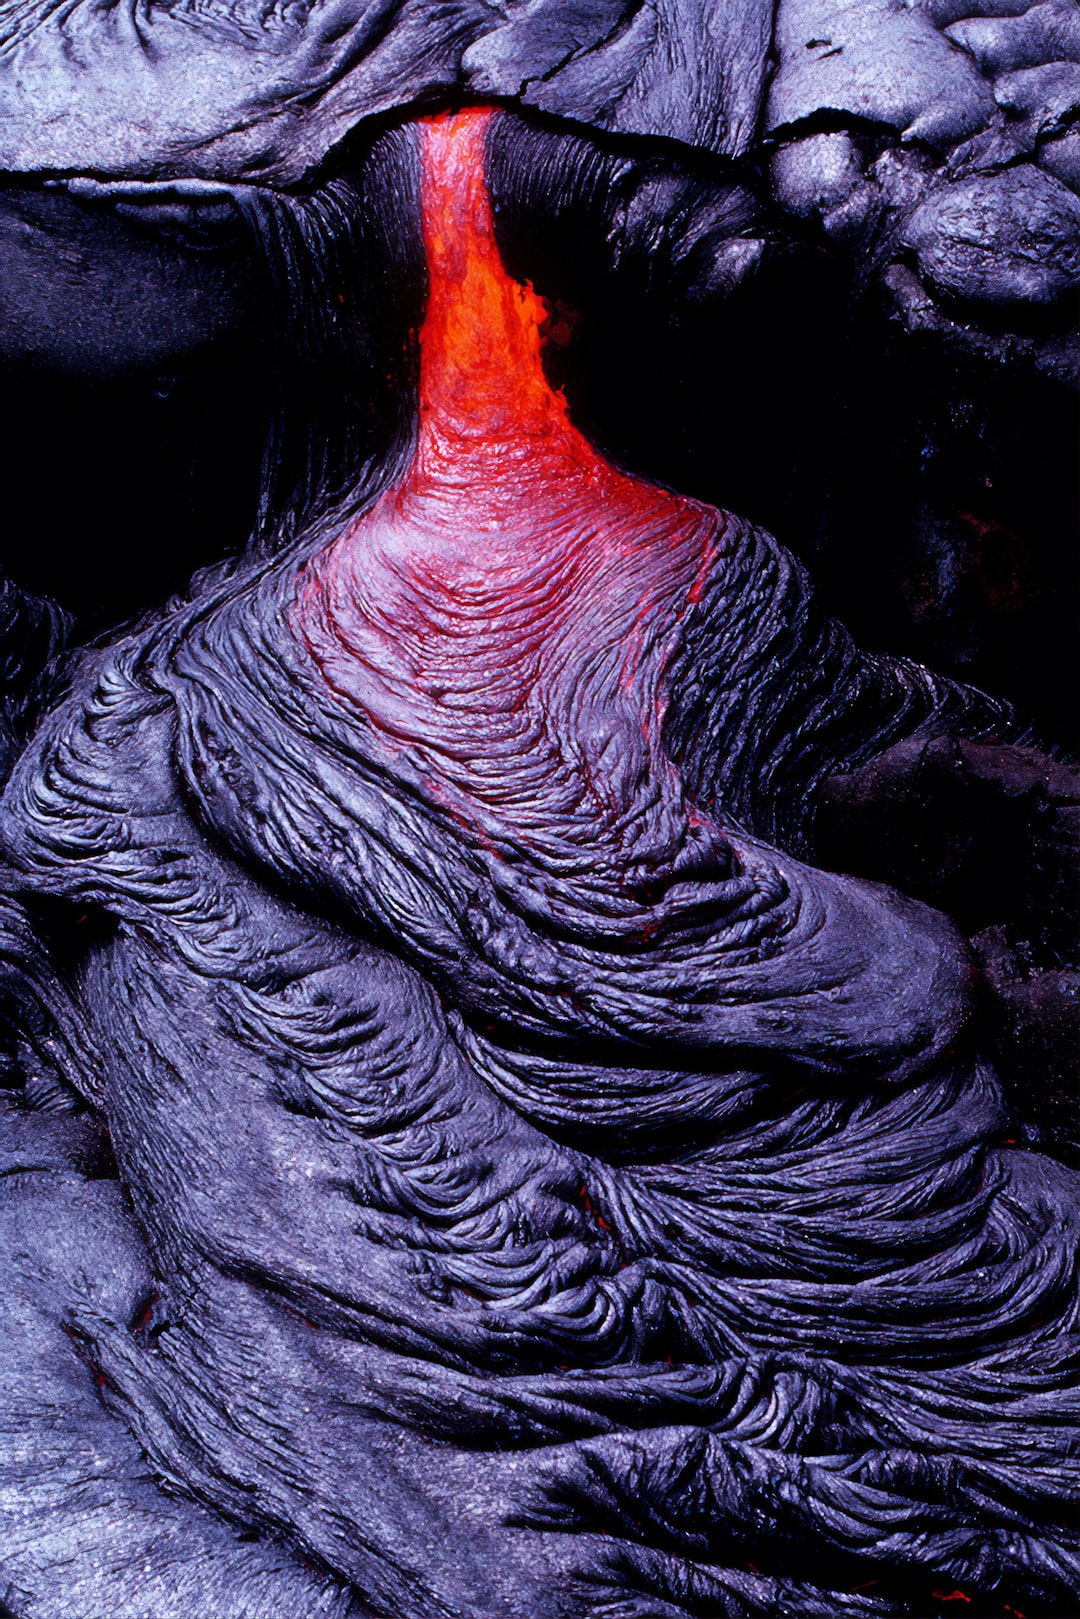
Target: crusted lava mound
[(545, 1193)]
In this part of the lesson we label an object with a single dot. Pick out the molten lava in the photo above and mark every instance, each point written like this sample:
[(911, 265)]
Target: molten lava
[(504, 615)]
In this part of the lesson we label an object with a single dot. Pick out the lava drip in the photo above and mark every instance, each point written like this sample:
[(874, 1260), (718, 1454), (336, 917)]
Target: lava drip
[(503, 617)]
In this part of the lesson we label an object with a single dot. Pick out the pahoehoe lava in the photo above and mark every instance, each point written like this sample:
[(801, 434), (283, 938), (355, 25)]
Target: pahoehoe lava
[(545, 1191)]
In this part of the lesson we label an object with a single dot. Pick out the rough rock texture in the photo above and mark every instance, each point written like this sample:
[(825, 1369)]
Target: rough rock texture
[(87, 1528), (933, 141), (221, 90), (232, 91), (686, 70), (928, 145), (550, 1192)]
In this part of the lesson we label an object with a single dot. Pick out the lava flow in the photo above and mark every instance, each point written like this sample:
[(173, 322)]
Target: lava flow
[(503, 616)]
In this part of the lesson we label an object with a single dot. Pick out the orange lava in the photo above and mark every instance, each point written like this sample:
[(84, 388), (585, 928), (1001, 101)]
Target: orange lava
[(490, 423), (508, 608), (481, 372)]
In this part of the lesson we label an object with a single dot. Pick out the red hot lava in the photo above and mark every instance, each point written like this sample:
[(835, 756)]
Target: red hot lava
[(503, 616)]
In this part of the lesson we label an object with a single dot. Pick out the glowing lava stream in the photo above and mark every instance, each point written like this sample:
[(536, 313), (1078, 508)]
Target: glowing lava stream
[(503, 616)]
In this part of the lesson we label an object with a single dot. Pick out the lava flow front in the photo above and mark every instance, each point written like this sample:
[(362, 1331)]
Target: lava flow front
[(503, 616)]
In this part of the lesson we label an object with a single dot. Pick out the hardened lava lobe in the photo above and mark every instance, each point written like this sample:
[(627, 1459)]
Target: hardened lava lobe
[(542, 1192)]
